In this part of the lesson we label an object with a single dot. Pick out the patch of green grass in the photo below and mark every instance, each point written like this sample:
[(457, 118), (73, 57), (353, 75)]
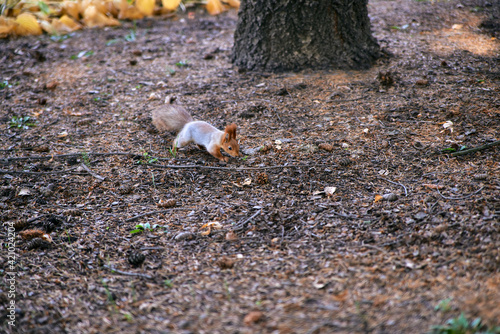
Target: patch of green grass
[(173, 151), (83, 54), (182, 63), (85, 158), (128, 317), (443, 305), (22, 122), (60, 38), (44, 7), (112, 41), (170, 71), (461, 325), (132, 35), (5, 84), (139, 228), (147, 159), (168, 283)]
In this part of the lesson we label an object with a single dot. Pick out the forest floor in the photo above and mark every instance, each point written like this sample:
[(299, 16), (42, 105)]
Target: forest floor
[(345, 216)]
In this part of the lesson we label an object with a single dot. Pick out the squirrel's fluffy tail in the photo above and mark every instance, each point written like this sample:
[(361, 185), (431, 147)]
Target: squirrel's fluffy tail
[(170, 118)]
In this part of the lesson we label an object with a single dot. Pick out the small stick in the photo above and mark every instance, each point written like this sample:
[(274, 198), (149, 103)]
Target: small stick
[(459, 197), (372, 247), (84, 166), (342, 215), (472, 150), (2, 171), (396, 183), (238, 169), (154, 212), (240, 225), (113, 270), (69, 155)]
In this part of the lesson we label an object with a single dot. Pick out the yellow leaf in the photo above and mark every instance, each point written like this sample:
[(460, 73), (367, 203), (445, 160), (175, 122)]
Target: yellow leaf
[(207, 232), (101, 6), (6, 27), (214, 7), (68, 24), (72, 8), (48, 28), (145, 6), (93, 18), (126, 11), (27, 25), (378, 198), (233, 3), (170, 4)]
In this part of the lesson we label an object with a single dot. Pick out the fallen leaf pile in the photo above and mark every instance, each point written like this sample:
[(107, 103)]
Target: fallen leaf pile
[(26, 17)]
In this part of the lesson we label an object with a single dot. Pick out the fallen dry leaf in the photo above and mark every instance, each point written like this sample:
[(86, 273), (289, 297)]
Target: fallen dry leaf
[(231, 236), (27, 25), (145, 6), (433, 186), (214, 7), (253, 317), (170, 4), (341, 297), (329, 191), (225, 263)]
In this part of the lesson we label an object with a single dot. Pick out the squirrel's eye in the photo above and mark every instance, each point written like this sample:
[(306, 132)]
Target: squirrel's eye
[(230, 148)]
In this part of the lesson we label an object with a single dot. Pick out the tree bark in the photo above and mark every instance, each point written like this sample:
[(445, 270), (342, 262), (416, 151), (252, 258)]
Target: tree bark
[(283, 35)]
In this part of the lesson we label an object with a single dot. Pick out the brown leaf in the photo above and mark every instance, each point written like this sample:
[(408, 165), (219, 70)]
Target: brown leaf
[(167, 203), (341, 297), (231, 236), (253, 317), (225, 263), (325, 146), (433, 186)]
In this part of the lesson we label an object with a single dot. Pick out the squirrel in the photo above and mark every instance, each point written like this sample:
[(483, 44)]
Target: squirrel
[(177, 118)]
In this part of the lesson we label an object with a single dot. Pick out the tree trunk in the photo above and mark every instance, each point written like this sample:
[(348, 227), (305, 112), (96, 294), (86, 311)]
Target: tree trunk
[(283, 35)]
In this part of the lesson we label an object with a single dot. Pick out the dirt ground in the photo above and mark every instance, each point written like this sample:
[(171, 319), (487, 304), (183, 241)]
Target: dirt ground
[(345, 216)]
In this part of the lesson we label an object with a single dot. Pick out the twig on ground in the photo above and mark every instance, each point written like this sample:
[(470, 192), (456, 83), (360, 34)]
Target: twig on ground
[(239, 226), (154, 212), (396, 183), (64, 156), (373, 247), (459, 197), (2, 171), (472, 150), (84, 166), (127, 273), (238, 169), (342, 215)]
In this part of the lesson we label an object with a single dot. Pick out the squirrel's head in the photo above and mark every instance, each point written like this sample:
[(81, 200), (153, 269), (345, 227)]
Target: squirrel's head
[(229, 143)]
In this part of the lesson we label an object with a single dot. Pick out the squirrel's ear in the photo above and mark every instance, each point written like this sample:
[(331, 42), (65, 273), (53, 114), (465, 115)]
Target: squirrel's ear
[(231, 130), (227, 137)]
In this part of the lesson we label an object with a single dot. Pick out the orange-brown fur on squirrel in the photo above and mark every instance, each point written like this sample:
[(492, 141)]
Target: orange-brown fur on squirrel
[(176, 118)]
